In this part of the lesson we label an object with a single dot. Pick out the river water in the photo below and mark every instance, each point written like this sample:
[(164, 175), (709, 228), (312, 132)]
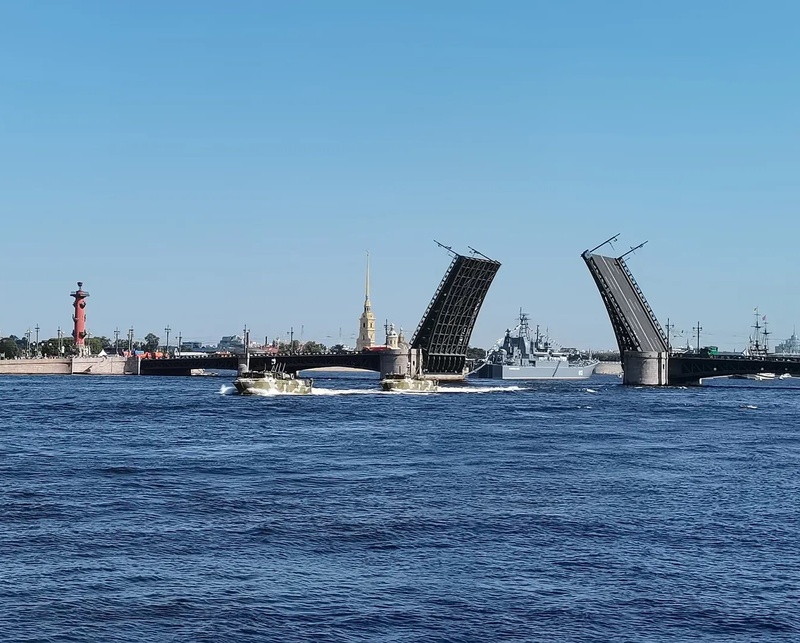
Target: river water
[(165, 509)]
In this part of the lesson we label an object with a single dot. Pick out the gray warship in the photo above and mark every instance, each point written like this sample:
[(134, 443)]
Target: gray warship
[(525, 357)]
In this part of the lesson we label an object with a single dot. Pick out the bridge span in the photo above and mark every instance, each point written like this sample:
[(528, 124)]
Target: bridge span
[(691, 368), (290, 363), (438, 348), (643, 345)]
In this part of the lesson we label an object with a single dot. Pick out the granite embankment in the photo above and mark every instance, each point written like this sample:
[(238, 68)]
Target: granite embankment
[(107, 365)]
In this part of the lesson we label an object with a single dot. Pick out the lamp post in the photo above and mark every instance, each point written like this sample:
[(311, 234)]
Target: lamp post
[(116, 340), (36, 345), (28, 343), (166, 330), (180, 342), (130, 340), (60, 341)]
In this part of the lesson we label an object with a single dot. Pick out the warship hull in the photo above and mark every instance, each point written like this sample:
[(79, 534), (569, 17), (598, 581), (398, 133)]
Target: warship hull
[(556, 371)]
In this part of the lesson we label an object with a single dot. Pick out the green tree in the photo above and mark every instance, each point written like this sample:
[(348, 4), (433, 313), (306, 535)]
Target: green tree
[(151, 342), (285, 347), (9, 348), (314, 347), (338, 349), (95, 344), (476, 353)]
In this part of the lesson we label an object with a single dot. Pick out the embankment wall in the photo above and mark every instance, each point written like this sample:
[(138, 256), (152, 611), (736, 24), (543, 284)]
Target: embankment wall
[(108, 365), (34, 366), (608, 368)]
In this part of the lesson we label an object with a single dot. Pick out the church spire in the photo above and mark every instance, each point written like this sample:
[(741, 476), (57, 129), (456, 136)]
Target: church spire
[(366, 327), (366, 298)]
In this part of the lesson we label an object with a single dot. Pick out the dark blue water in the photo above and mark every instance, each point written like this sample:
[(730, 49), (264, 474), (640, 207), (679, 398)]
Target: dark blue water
[(157, 509)]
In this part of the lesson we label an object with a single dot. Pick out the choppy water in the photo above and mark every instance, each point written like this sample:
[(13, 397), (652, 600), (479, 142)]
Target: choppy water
[(160, 509)]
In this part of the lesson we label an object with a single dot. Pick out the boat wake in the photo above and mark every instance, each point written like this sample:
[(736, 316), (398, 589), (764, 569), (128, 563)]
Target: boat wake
[(258, 392), (343, 391), (227, 389), (478, 389)]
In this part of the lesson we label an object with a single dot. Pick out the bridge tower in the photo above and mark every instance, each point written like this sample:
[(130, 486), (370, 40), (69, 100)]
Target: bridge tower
[(366, 326), (79, 319), (643, 346)]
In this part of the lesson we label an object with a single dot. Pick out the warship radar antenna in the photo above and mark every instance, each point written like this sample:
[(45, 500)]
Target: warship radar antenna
[(632, 250), (609, 241)]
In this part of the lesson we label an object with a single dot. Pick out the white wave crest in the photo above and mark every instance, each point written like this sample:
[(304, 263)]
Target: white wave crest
[(478, 389)]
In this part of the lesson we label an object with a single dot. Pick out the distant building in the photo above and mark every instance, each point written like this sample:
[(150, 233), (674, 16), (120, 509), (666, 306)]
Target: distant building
[(366, 327), (789, 347), (231, 343)]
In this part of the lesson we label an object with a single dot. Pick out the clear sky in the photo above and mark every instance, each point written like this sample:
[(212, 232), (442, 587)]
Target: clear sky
[(206, 165)]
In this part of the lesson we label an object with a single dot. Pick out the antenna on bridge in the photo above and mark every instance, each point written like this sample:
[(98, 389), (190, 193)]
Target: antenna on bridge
[(632, 250), (473, 251), (609, 241), (448, 248)]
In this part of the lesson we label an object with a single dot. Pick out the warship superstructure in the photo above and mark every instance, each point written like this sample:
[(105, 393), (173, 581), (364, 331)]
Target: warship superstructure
[(523, 355)]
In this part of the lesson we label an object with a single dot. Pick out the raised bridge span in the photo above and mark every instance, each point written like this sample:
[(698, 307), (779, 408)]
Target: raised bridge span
[(643, 345), (440, 341)]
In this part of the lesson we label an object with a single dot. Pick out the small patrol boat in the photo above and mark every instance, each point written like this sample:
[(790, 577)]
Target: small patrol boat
[(405, 382), (260, 382), (266, 382)]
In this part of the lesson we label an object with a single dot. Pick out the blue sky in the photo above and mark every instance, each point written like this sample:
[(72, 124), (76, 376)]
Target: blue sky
[(204, 165)]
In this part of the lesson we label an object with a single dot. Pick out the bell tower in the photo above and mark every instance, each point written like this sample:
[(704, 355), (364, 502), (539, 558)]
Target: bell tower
[(366, 327)]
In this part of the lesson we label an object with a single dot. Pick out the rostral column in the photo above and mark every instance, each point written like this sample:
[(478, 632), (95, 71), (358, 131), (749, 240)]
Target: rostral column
[(79, 331)]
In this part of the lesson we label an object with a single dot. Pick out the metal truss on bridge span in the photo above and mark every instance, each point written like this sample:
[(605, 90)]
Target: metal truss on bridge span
[(444, 332)]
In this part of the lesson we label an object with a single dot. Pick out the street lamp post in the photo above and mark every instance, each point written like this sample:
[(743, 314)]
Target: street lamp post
[(36, 345), (28, 343), (166, 330), (130, 340), (116, 340), (60, 341)]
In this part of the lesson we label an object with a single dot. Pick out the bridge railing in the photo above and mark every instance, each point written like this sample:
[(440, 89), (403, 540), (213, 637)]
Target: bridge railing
[(644, 302), (627, 339)]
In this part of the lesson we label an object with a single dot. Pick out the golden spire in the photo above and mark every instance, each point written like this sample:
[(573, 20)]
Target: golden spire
[(366, 330), (366, 298)]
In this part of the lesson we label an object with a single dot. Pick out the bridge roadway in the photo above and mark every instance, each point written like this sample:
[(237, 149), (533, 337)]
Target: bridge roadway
[(291, 363), (691, 368), (647, 335)]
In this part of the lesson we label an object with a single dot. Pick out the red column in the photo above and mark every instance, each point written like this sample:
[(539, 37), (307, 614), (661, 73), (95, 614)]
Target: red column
[(79, 331)]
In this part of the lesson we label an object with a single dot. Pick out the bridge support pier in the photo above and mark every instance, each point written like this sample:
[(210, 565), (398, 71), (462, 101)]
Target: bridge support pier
[(394, 362), (645, 368)]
